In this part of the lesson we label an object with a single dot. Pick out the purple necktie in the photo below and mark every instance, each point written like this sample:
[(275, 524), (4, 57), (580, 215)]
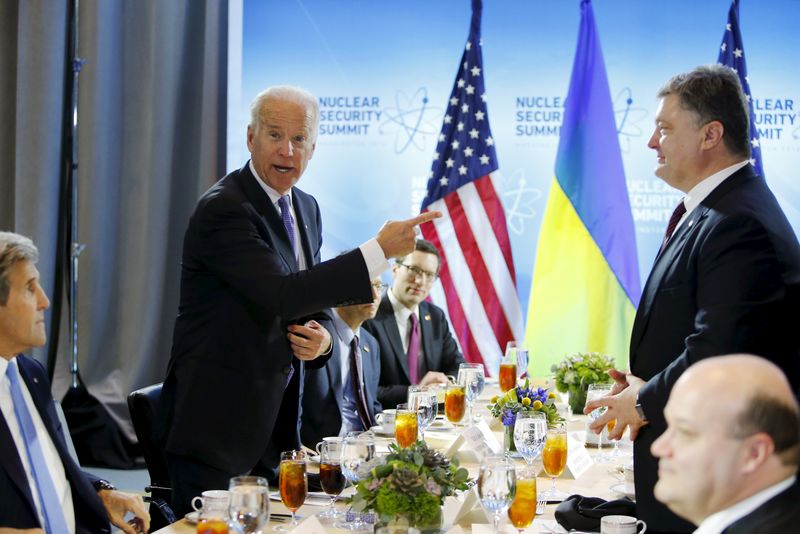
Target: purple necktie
[(680, 209), (286, 217), (413, 349), (358, 385)]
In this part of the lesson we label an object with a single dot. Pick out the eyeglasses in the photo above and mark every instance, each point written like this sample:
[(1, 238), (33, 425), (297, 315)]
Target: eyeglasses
[(426, 276), (379, 286)]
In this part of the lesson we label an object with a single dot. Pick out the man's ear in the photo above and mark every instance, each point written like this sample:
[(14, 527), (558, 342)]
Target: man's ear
[(757, 449), (712, 134)]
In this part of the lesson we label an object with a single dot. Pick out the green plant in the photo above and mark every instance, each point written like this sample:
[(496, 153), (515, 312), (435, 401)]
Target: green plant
[(524, 399), (410, 482), (581, 369)]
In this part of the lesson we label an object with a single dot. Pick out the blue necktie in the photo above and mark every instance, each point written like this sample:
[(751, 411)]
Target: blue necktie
[(51, 504), (286, 217)]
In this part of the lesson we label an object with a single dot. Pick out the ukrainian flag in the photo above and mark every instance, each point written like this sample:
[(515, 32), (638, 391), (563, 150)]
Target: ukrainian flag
[(586, 279)]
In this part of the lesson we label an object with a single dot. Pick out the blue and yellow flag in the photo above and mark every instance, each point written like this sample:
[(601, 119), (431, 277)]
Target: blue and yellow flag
[(586, 278)]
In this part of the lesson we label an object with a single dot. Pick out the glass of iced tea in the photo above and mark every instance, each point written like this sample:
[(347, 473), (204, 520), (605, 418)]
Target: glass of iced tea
[(523, 507), (331, 477), (508, 376), (293, 484), (405, 425), (554, 458), (454, 403)]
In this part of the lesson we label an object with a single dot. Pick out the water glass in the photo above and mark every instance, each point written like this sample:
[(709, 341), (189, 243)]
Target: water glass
[(598, 391), (530, 433), (356, 451), (497, 484), (422, 400), (249, 503), (472, 377)]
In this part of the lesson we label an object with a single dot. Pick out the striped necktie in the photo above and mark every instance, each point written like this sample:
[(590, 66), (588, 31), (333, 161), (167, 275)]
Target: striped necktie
[(48, 497)]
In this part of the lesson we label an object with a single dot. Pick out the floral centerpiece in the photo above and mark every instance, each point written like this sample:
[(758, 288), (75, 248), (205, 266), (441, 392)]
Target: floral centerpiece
[(522, 399), (408, 486), (576, 372)]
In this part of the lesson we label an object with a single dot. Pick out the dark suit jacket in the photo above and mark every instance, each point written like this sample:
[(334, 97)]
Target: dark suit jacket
[(727, 282), (17, 508), (779, 514), (225, 400), (438, 344), (322, 397)]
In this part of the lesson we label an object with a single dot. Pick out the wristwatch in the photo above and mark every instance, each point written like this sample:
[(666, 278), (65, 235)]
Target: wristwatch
[(640, 410), (101, 484)]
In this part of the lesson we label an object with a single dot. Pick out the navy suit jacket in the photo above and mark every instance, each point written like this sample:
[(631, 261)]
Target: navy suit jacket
[(17, 508), (438, 344), (225, 400), (322, 398), (727, 282), (779, 514)]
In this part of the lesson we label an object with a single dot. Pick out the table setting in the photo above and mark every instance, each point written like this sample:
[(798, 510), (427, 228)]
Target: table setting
[(466, 457)]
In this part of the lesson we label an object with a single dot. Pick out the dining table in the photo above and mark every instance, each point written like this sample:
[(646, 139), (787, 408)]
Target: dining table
[(604, 480)]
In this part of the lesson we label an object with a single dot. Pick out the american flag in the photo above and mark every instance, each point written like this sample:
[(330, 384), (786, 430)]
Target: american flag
[(731, 54), (477, 271)]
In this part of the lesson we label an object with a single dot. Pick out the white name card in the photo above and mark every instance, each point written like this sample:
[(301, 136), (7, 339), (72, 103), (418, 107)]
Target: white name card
[(310, 525), (578, 459), (481, 440)]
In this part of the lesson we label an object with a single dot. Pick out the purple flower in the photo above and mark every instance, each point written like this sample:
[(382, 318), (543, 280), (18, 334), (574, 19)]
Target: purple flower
[(508, 418)]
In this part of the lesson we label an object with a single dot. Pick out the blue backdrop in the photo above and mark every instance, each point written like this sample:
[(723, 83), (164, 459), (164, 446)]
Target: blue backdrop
[(383, 72)]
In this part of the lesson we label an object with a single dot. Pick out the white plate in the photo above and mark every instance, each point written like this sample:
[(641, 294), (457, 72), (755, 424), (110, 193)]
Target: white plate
[(378, 430), (192, 517), (624, 489)]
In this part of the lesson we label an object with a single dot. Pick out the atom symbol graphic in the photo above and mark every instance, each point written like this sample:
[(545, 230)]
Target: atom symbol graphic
[(628, 118), (519, 201), (411, 120)]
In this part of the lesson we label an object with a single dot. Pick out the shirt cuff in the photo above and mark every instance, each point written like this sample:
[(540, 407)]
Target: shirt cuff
[(374, 258)]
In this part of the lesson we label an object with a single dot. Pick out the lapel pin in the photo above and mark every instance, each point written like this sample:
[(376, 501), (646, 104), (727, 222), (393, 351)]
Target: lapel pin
[(427, 317), (366, 349), (35, 380)]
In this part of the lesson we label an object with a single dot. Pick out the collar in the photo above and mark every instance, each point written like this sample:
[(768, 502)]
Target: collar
[(400, 311), (343, 330), (4, 365), (273, 194), (717, 522), (700, 191)]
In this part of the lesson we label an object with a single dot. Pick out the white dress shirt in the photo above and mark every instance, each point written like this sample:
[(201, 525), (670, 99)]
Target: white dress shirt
[(371, 251), (54, 465), (716, 523), (699, 192), (343, 335)]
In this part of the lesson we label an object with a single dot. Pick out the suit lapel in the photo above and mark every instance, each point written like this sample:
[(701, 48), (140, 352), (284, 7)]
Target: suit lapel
[(388, 322), (429, 359), (261, 202), (11, 463), (661, 266), (306, 223), (663, 262)]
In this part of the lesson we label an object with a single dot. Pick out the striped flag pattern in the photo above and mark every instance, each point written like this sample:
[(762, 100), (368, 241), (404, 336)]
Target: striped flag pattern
[(477, 272)]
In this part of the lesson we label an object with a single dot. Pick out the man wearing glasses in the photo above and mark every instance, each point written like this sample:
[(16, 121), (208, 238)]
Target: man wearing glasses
[(342, 396), (414, 336)]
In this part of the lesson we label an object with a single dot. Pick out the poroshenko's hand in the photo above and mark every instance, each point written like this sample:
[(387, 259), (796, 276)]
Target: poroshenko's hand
[(397, 238), (622, 407), (620, 381), (309, 341), (433, 377), (117, 504)]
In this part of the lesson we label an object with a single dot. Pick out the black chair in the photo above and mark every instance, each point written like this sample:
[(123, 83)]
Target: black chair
[(143, 405)]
